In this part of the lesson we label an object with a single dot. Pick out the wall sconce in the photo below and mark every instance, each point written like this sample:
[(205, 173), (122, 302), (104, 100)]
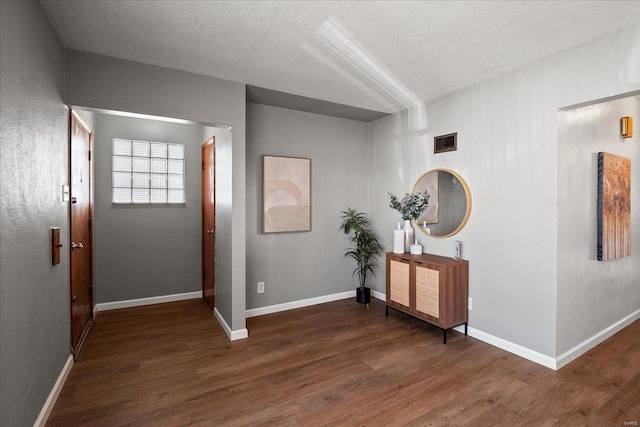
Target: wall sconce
[(626, 127)]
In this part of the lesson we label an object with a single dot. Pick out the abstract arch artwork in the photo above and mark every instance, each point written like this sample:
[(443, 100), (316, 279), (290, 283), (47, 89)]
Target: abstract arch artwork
[(286, 194)]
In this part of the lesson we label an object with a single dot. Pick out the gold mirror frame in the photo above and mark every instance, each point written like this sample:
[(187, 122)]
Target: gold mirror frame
[(467, 193)]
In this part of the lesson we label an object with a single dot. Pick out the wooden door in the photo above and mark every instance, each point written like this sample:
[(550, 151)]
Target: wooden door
[(81, 233), (208, 222)]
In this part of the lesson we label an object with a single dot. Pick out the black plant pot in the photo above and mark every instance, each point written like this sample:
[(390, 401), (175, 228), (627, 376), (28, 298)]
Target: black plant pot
[(363, 295)]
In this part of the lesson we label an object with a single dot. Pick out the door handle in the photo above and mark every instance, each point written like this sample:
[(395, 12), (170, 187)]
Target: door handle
[(210, 231), (75, 245), (75, 297)]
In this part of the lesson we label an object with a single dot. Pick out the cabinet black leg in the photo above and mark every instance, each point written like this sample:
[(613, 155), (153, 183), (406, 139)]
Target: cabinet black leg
[(465, 328), (387, 311), (445, 335)]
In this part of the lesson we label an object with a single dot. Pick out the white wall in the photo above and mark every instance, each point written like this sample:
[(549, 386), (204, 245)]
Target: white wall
[(507, 152), (296, 266), (101, 82), (593, 295), (34, 296)]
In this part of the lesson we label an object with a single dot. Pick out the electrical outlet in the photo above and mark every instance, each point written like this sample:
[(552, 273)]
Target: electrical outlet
[(261, 287), (470, 304)]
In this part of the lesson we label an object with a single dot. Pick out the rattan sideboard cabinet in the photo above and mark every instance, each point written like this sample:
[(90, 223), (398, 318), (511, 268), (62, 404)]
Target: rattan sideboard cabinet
[(429, 287)]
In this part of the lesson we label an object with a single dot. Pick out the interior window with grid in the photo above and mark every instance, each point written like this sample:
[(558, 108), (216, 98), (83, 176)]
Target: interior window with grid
[(147, 172)]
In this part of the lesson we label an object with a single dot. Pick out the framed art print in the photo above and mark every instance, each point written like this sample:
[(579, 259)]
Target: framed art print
[(286, 194)]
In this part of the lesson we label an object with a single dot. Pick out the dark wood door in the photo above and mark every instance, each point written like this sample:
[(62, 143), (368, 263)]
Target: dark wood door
[(208, 222), (81, 234)]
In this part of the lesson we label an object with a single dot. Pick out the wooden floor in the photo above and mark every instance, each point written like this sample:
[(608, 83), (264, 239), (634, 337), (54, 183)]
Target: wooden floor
[(331, 364)]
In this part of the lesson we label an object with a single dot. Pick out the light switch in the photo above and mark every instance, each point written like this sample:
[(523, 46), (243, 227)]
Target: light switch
[(65, 193)]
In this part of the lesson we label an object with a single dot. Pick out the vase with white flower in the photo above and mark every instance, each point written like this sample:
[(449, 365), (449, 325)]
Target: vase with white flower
[(411, 206)]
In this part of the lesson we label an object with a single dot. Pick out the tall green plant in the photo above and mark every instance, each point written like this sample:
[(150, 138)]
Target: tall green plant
[(366, 247)]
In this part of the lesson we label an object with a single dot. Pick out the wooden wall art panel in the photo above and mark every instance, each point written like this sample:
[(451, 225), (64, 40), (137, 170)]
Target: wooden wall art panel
[(614, 206)]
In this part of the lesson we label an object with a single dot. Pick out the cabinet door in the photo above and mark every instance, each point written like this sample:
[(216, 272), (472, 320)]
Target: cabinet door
[(427, 290), (399, 282)]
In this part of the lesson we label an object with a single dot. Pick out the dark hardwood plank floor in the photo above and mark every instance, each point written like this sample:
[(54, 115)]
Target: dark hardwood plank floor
[(331, 365)]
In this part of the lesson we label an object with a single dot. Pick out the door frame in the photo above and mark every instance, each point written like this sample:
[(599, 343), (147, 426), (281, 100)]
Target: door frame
[(207, 143), (74, 114)]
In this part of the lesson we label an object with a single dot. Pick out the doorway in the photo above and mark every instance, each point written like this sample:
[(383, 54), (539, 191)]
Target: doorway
[(208, 222), (81, 257)]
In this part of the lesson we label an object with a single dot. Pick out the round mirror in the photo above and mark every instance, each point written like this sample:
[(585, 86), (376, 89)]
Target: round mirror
[(449, 203)]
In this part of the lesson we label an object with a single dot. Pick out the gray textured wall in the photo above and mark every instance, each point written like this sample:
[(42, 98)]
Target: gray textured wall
[(296, 266), (34, 296), (593, 294), (96, 81), (146, 250)]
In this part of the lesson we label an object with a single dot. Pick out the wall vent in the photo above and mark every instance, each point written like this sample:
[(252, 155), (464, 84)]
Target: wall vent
[(444, 143)]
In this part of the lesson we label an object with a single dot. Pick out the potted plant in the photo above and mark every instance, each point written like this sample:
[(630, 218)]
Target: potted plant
[(411, 206), (366, 249)]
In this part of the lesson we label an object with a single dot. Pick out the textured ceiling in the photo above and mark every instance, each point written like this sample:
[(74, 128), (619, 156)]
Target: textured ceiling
[(382, 56)]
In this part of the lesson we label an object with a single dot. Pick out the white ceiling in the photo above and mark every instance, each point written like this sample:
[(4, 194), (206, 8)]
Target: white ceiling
[(383, 56)]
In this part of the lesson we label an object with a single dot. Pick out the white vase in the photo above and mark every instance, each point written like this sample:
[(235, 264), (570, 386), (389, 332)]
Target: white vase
[(416, 248), (408, 235), (398, 240)]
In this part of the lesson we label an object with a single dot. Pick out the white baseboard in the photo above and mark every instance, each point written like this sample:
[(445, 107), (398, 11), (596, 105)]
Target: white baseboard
[(598, 338), (299, 304), (55, 392), (233, 335), (145, 301), (516, 349), (378, 295)]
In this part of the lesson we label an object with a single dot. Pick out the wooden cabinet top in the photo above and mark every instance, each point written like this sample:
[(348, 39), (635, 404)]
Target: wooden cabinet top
[(437, 259)]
